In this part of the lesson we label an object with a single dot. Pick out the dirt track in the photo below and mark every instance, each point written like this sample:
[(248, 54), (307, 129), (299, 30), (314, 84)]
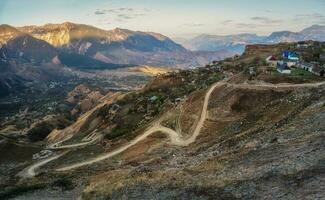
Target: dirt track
[(30, 171), (174, 136)]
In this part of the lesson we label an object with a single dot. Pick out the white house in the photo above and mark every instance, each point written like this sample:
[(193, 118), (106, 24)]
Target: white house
[(283, 68), (290, 63), (306, 66)]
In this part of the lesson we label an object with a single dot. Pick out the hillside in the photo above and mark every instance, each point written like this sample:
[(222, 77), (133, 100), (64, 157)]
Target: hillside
[(201, 133)]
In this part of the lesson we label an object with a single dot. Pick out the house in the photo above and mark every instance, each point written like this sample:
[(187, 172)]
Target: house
[(291, 56), (322, 57), (271, 60), (306, 66), (319, 70), (290, 63), (302, 45), (283, 68), (252, 71)]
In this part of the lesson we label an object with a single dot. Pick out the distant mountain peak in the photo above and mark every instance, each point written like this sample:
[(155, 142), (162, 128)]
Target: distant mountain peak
[(8, 33), (317, 26)]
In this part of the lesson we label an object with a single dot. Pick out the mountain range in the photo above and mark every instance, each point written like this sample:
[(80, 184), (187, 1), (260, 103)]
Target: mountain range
[(84, 46), (32, 52), (51, 51), (237, 43), (87, 47)]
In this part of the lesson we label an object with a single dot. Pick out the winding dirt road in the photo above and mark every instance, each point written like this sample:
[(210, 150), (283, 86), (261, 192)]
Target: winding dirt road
[(175, 137), (31, 170)]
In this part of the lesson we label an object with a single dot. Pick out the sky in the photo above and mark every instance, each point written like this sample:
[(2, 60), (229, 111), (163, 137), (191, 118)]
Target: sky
[(174, 18)]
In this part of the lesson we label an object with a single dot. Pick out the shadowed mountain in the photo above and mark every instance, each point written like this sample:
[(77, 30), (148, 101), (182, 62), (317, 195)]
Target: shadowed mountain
[(118, 46)]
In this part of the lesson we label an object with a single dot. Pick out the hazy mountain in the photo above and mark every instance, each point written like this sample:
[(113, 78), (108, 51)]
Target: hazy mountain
[(283, 36), (233, 43), (315, 32), (237, 43)]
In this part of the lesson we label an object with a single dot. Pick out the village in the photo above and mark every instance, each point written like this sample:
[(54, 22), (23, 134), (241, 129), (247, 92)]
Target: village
[(292, 60)]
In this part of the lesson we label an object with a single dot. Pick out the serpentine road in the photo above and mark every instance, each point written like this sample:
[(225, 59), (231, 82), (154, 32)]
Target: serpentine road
[(175, 137), (30, 171)]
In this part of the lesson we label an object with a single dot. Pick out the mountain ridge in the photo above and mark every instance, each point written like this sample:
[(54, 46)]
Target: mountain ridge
[(236, 43), (118, 46)]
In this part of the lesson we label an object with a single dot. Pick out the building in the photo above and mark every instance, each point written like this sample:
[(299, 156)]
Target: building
[(291, 56), (319, 70), (290, 63), (306, 66), (302, 45), (322, 57), (271, 60), (283, 68), (252, 71)]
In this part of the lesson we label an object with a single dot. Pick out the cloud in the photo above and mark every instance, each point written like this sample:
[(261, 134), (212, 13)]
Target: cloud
[(125, 16), (246, 25), (226, 22), (194, 25), (99, 12), (266, 20), (122, 14), (126, 9), (311, 18)]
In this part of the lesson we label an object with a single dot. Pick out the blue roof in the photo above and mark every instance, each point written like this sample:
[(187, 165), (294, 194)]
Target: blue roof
[(290, 55)]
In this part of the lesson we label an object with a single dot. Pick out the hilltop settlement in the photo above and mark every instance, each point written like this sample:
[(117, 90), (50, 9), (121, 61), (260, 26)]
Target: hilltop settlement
[(297, 59)]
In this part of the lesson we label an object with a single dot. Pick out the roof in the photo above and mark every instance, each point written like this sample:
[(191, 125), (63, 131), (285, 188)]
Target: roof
[(290, 54), (153, 98), (319, 69), (307, 65), (289, 60), (271, 58)]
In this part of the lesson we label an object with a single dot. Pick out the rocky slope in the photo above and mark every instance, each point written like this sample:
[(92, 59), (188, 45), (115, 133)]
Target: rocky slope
[(244, 152)]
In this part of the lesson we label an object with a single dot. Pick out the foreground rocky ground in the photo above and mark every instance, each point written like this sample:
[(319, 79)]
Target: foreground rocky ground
[(255, 154)]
